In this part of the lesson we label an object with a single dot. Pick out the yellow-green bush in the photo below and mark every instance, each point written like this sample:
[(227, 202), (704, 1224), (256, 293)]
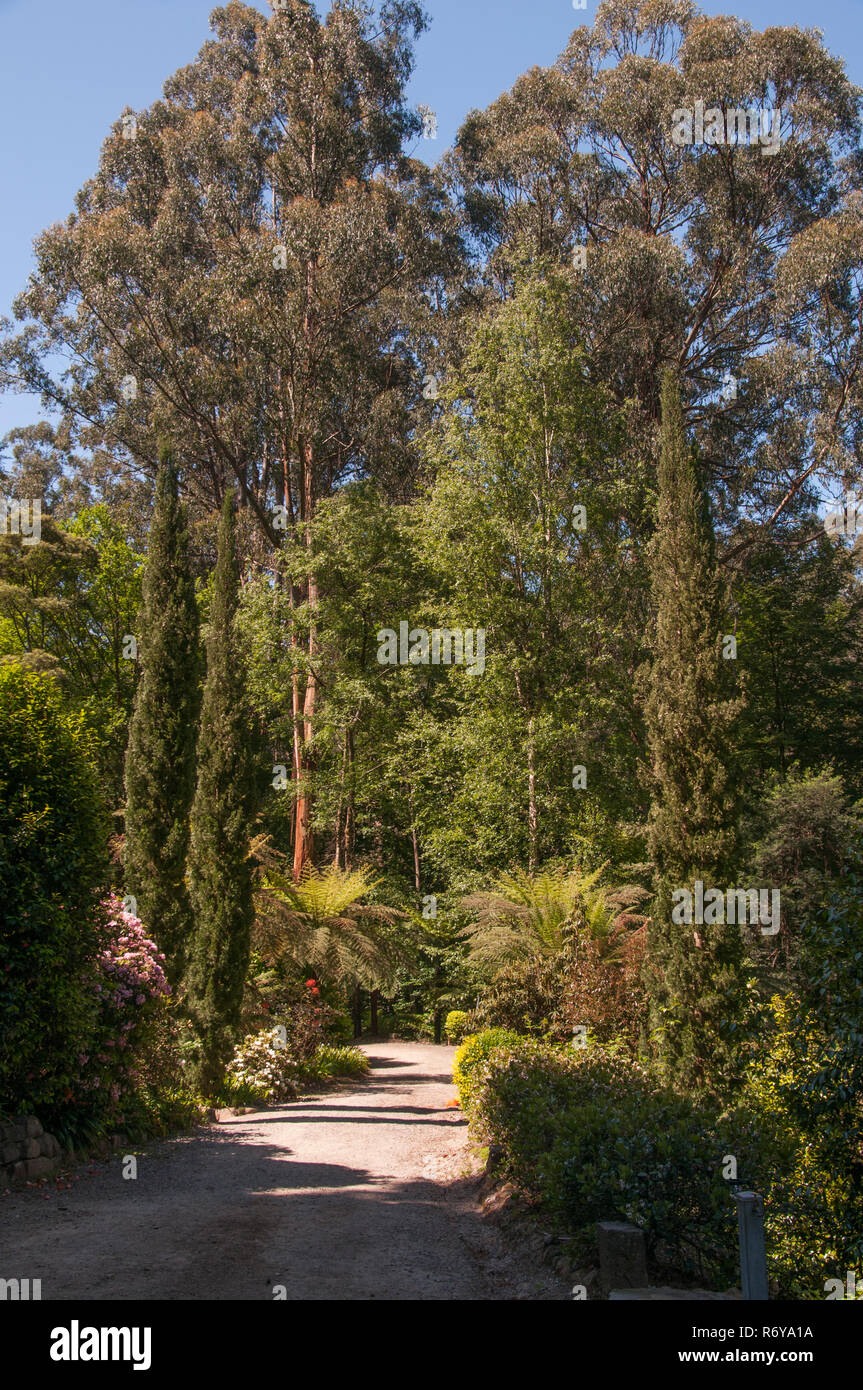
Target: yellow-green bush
[(814, 1186), (471, 1057), (456, 1025)]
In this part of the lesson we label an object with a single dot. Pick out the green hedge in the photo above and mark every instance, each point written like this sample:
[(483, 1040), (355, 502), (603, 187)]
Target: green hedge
[(471, 1060), (53, 835), (598, 1139), (595, 1137), (456, 1025)]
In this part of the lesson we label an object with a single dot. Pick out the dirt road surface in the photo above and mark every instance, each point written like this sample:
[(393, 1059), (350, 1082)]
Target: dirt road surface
[(353, 1195)]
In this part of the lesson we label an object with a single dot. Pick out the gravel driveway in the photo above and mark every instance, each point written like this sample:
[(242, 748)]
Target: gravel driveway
[(349, 1196)]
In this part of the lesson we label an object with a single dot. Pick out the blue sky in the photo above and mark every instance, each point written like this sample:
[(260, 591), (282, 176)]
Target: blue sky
[(68, 70)]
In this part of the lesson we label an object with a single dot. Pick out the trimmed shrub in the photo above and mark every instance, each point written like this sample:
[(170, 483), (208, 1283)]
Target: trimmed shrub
[(600, 1140), (456, 1025), (53, 836), (595, 1137), (471, 1058)]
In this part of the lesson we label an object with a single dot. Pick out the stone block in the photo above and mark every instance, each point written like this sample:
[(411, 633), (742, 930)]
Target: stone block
[(30, 1148), (40, 1168), (49, 1146), (14, 1133), (10, 1153), (33, 1127), (622, 1255), (19, 1171)]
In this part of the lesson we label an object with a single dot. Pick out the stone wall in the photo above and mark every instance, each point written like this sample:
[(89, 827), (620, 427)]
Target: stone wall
[(26, 1151)]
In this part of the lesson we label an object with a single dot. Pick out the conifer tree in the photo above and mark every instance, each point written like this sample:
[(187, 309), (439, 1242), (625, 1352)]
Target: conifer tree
[(220, 878), (160, 758), (695, 970)]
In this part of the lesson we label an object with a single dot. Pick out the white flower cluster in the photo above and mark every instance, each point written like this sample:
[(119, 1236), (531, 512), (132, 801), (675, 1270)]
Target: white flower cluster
[(262, 1062)]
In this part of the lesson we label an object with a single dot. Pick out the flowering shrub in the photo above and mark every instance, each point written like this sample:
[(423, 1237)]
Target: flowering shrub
[(264, 1067), (129, 985), (272, 999)]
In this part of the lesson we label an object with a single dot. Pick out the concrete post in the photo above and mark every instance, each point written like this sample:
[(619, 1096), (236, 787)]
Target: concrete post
[(753, 1259), (622, 1255)]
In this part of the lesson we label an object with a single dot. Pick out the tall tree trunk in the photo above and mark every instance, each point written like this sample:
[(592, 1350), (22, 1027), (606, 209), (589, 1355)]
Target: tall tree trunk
[(340, 808), (349, 813), (358, 1012), (415, 843), (375, 996), (532, 818), (531, 798), (303, 843)]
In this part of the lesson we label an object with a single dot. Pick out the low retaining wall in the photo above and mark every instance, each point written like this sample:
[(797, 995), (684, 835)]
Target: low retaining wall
[(26, 1151)]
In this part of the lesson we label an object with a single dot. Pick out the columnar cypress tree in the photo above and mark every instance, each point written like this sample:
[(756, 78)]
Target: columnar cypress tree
[(695, 971), (220, 880), (160, 758)]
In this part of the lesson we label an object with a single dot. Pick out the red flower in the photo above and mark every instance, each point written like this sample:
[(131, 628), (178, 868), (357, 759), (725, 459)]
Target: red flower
[(311, 984)]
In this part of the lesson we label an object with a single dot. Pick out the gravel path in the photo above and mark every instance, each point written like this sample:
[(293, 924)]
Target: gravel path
[(349, 1196)]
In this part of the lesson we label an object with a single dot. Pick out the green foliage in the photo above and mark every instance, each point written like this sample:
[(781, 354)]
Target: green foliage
[(471, 1059), (525, 435), (320, 925), (438, 977), (456, 1025), (807, 833), (524, 916), (598, 1139), (52, 864), (66, 605), (804, 1086), (160, 760), (832, 974), (331, 1061), (220, 876), (593, 982), (159, 1111), (799, 602)]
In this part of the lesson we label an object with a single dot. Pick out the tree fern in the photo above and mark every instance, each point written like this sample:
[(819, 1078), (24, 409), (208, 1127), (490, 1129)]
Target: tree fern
[(320, 924)]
